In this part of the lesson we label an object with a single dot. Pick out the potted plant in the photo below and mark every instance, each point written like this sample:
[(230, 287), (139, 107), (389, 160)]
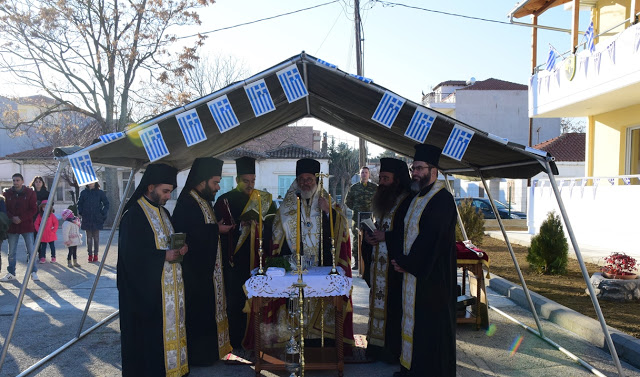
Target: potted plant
[(619, 266)]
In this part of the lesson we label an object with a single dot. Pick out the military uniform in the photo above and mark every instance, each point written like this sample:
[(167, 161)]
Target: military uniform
[(359, 200)]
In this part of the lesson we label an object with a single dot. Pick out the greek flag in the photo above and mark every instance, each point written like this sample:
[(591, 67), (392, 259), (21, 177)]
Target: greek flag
[(259, 97), (292, 83), (108, 138), (327, 64), (223, 114), (420, 124), (626, 180), (82, 168), (612, 181), (551, 59), (388, 109), (362, 78), (191, 127), (458, 142), (590, 37), (153, 143)]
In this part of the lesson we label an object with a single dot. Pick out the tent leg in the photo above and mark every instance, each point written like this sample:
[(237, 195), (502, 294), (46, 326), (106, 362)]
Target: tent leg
[(585, 273), (27, 275), (513, 257), (106, 251), (464, 231)]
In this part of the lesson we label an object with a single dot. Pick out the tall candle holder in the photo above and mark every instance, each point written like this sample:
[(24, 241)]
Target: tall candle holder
[(334, 270), (261, 271)]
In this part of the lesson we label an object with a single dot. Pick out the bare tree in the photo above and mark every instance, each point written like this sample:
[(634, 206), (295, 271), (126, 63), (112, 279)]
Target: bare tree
[(88, 56), (572, 125), (343, 164)]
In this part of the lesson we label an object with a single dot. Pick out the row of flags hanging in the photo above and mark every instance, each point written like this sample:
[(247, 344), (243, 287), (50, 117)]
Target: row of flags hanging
[(554, 55), (262, 103)]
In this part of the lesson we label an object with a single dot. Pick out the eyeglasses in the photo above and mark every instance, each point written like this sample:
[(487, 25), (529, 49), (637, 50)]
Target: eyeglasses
[(420, 168)]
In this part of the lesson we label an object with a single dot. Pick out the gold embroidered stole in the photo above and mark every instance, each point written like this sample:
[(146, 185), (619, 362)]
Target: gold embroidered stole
[(409, 283), (250, 231), (224, 343), (379, 278), (174, 330)]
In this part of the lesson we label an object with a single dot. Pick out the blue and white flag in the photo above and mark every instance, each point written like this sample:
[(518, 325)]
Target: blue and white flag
[(388, 109), (259, 97), (223, 113), (626, 180), (590, 38), (292, 83), (153, 143), (420, 124), (612, 181), (551, 59), (458, 142), (83, 168), (362, 78), (327, 64), (191, 127), (108, 138)]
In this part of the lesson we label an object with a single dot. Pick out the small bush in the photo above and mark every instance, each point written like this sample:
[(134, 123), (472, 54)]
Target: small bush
[(549, 251), (473, 223)]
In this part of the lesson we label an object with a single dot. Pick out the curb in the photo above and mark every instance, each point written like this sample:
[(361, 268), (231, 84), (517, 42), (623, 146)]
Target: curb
[(628, 347)]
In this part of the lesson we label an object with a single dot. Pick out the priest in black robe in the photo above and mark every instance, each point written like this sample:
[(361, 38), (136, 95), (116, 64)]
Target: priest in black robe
[(385, 283), (150, 287), (428, 263), (206, 319), (240, 246)]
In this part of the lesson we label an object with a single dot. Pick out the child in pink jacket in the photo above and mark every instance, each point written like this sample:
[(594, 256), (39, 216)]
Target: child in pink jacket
[(48, 234)]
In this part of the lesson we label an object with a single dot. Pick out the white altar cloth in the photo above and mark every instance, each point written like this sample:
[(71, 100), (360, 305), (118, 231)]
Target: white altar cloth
[(319, 284)]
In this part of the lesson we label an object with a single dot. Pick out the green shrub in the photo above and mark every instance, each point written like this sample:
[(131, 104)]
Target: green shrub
[(473, 223), (549, 251)]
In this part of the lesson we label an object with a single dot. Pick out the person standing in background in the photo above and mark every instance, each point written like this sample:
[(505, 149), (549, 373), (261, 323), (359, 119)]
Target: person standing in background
[(40, 187), (48, 233), (93, 207), (359, 200), (71, 236)]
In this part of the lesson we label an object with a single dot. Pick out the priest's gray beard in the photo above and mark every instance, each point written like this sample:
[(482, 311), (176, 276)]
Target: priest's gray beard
[(418, 184), (308, 194)]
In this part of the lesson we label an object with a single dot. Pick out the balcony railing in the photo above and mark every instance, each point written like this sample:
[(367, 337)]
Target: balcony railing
[(436, 97)]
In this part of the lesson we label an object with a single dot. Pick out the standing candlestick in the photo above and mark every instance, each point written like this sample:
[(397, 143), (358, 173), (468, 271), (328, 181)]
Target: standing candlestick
[(259, 217), (334, 270), (330, 217)]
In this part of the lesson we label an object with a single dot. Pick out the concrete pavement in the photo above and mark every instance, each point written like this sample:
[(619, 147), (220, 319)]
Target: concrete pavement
[(53, 308)]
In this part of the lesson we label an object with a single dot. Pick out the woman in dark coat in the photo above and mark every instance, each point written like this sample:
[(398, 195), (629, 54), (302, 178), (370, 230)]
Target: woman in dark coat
[(40, 187), (93, 207)]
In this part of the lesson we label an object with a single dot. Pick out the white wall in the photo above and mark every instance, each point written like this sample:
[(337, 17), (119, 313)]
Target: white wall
[(503, 113), (602, 216)]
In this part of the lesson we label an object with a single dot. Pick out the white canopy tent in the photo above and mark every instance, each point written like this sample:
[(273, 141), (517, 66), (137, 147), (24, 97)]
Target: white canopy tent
[(303, 86)]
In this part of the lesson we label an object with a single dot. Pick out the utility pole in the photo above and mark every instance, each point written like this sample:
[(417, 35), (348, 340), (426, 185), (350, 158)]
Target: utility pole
[(356, 5)]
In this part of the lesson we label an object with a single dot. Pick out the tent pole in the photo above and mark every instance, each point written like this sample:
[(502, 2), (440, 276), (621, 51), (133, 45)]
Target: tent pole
[(27, 275), (464, 232), (306, 81), (585, 273), (67, 345), (513, 257), (106, 250)]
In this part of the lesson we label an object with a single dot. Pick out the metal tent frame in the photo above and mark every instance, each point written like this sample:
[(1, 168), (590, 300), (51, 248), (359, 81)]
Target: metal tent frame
[(344, 101)]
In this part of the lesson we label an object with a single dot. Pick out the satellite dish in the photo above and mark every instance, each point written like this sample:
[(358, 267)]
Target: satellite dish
[(471, 81)]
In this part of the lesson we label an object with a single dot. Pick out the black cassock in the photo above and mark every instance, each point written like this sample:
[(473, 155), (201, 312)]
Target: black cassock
[(140, 269), (432, 260), (197, 271), (237, 274)]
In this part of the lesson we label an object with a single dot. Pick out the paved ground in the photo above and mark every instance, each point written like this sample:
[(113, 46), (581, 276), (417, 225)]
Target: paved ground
[(53, 308)]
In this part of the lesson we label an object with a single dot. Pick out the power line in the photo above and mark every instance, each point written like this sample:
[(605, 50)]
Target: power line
[(259, 20), (390, 4)]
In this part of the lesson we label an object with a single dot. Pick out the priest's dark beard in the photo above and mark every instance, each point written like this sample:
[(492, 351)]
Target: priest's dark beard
[(384, 199), (419, 184), (208, 194)]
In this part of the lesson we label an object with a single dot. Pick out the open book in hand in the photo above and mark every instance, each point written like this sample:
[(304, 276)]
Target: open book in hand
[(252, 214), (177, 241), (367, 225)]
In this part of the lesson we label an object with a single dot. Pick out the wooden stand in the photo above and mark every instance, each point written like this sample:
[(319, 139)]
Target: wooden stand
[(480, 313), (327, 358)]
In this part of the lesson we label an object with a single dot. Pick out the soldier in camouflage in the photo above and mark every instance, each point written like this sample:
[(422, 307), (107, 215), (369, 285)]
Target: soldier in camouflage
[(359, 200)]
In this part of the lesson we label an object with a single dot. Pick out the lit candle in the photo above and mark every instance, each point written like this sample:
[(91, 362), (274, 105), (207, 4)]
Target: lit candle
[(298, 227), (259, 217), (330, 217)]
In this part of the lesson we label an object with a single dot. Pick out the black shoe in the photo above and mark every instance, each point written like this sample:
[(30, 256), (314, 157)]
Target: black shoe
[(402, 373)]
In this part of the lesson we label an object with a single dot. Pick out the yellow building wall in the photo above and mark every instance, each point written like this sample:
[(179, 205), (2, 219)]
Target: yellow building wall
[(608, 14), (607, 141)]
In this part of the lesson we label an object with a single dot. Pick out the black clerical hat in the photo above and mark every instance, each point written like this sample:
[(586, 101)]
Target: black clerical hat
[(307, 165), (427, 153), (399, 169), (245, 165), (202, 169), (154, 174)]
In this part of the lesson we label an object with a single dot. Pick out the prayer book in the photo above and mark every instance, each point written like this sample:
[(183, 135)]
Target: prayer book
[(367, 225), (177, 241)]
